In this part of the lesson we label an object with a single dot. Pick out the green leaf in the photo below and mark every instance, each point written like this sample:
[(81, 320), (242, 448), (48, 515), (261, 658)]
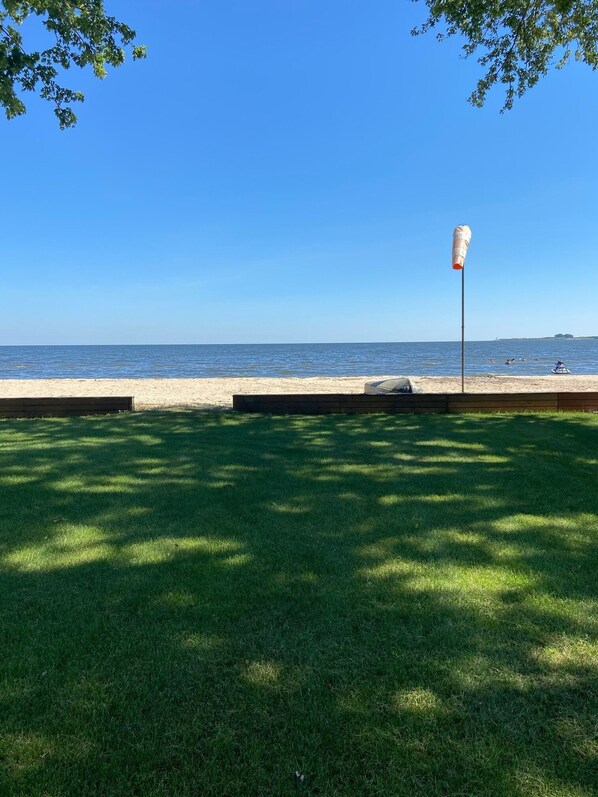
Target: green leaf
[(517, 41), (81, 34)]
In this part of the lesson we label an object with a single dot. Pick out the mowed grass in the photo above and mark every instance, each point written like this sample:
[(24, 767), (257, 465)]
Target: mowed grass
[(205, 604)]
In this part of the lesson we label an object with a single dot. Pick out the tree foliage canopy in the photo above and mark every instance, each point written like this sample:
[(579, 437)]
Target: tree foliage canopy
[(80, 33), (517, 41)]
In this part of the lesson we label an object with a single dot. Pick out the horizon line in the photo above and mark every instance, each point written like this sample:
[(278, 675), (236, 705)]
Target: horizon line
[(304, 343)]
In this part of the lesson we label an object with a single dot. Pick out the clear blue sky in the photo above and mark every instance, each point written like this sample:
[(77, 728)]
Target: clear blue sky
[(292, 170)]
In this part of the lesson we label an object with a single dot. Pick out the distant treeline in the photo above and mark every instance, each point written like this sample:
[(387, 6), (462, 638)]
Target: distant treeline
[(560, 336)]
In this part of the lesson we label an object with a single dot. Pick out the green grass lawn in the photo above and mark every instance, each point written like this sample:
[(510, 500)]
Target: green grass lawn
[(203, 604)]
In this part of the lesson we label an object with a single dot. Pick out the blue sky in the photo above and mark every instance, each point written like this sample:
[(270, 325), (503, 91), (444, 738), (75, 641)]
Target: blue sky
[(291, 171)]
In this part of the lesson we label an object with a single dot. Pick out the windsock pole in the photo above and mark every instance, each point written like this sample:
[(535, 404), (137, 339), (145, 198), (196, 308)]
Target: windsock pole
[(462, 330), (461, 239)]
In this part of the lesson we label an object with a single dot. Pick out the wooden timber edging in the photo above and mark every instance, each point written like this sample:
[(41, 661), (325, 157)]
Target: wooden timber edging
[(333, 403), (57, 407), (439, 403)]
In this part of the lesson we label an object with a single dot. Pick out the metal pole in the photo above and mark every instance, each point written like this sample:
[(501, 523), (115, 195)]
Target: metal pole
[(463, 329)]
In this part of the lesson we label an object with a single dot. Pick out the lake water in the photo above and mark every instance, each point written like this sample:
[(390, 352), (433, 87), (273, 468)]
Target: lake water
[(532, 356)]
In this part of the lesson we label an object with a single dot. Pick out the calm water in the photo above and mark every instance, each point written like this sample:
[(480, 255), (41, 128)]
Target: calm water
[(313, 359)]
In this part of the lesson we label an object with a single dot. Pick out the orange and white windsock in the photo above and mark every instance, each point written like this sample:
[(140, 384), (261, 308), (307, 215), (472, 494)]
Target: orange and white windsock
[(461, 239)]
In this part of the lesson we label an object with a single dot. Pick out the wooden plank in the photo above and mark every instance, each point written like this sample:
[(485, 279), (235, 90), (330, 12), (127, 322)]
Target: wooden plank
[(356, 407), (393, 404), (67, 407), (502, 402), (578, 402), (416, 400), (502, 408), (320, 403), (390, 402), (502, 397), (53, 406), (66, 400), (578, 393), (326, 403), (580, 408), (287, 403), (262, 397), (496, 410), (581, 396), (365, 410), (577, 399), (497, 402), (74, 400)]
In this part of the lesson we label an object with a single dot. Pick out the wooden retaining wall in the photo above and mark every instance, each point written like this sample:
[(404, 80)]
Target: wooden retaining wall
[(503, 402), (64, 406), (328, 403)]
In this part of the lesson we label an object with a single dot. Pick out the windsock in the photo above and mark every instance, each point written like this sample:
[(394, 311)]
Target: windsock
[(461, 239)]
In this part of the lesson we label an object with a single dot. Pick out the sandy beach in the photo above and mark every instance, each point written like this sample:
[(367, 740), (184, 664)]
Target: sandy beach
[(161, 393)]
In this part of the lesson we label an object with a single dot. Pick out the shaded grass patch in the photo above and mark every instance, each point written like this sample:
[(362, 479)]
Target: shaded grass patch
[(203, 603)]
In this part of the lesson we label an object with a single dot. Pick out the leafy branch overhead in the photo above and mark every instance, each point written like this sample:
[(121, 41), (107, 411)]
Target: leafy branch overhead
[(517, 41), (80, 34)]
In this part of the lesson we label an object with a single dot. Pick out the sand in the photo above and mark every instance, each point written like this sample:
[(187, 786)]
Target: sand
[(154, 393)]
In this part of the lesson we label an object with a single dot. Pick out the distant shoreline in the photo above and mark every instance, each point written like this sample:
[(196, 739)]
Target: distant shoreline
[(553, 337)]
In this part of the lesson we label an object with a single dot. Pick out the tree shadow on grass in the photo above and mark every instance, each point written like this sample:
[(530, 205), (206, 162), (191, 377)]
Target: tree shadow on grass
[(204, 603)]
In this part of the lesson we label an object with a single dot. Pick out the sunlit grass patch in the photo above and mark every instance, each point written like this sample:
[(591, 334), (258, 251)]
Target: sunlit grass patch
[(73, 546), (419, 701)]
